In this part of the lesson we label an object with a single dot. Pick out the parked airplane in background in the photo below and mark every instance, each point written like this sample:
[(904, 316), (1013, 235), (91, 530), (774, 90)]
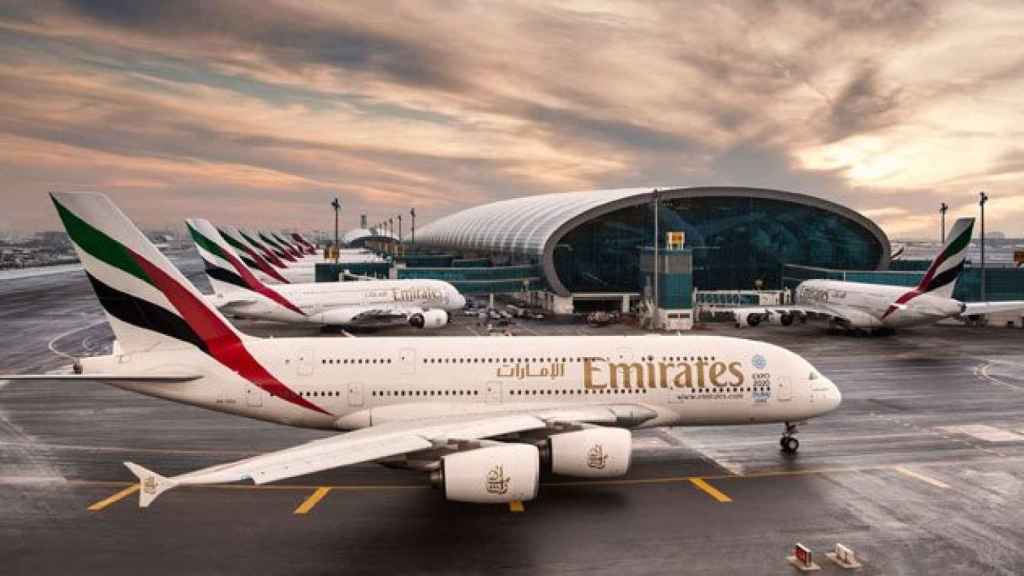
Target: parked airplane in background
[(308, 246), (380, 303), (251, 256), (479, 415), (879, 307)]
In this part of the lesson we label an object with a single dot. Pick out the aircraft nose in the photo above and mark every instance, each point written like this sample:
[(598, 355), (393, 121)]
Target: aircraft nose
[(835, 397), (458, 300)]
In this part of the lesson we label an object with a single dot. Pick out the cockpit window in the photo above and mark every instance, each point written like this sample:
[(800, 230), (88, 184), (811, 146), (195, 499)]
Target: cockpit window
[(813, 376)]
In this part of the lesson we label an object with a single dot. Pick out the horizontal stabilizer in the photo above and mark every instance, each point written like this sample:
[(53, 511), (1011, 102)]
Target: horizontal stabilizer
[(144, 378), (151, 484), (974, 308)]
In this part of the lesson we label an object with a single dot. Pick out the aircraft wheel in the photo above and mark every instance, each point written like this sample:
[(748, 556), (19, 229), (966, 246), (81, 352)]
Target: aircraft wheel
[(790, 444)]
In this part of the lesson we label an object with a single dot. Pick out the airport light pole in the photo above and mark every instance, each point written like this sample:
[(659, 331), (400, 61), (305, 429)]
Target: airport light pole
[(412, 212), (943, 208), (336, 204), (391, 233), (657, 279), (982, 199)]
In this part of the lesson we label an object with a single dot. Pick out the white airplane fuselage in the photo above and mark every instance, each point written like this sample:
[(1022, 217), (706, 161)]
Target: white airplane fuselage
[(876, 305), (359, 382), (325, 303)]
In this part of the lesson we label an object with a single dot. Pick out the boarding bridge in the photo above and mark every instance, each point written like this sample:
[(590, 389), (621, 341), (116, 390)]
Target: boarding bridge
[(711, 299)]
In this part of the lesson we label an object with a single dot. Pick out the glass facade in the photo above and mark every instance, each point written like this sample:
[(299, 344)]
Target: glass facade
[(736, 241)]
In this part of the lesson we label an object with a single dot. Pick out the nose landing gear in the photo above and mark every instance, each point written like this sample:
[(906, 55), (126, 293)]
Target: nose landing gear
[(788, 442)]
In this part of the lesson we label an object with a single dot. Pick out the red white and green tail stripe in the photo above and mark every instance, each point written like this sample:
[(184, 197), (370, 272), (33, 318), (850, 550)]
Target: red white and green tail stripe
[(149, 302), (224, 265), (250, 254), (267, 253), (942, 274)]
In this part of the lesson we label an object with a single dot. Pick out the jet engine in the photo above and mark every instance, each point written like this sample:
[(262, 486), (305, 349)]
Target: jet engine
[(433, 318), (490, 475), (591, 453), (744, 318)]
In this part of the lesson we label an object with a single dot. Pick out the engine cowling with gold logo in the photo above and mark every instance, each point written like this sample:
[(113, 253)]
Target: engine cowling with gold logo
[(591, 453), (490, 475), (429, 319)]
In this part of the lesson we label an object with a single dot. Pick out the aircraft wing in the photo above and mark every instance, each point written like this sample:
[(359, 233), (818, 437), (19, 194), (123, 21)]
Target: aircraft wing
[(972, 308), (103, 378), (381, 441)]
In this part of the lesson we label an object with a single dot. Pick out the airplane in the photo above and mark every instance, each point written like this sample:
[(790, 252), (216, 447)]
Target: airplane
[(251, 256), (307, 246), (880, 308), (478, 416), (379, 303), (300, 270)]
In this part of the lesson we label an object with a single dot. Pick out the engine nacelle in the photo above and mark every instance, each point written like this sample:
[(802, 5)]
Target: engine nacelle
[(335, 317), (744, 318), (429, 319), (591, 453), (490, 475)]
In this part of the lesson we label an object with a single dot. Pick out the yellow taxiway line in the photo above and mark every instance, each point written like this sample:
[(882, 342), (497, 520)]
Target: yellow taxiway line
[(313, 500), (110, 500), (516, 506), (701, 482), (922, 478), (710, 490)]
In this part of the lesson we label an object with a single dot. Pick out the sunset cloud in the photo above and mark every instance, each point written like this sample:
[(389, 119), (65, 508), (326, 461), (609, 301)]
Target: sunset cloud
[(247, 111)]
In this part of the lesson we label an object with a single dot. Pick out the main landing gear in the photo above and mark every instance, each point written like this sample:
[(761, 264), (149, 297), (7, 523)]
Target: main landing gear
[(788, 442)]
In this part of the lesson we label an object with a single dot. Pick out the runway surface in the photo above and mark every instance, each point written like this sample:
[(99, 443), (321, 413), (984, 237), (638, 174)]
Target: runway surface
[(921, 471)]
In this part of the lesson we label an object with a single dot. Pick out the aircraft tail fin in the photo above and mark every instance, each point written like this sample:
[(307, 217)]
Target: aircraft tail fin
[(945, 269), (250, 254), (148, 301), (224, 265), (262, 248), (151, 484), (306, 244), (220, 269)]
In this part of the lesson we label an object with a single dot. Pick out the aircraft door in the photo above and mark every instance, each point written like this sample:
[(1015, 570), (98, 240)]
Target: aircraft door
[(355, 394), (493, 393), (305, 362), (785, 389), (407, 360)]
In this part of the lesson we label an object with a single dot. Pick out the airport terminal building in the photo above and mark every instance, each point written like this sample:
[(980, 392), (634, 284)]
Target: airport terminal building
[(588, 244)]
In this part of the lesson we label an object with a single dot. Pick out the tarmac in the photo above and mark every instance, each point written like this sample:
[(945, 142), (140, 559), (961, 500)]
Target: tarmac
[(920, 471)]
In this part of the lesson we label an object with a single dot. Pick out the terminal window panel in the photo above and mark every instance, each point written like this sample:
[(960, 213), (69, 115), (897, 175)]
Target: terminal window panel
[(735, 241)]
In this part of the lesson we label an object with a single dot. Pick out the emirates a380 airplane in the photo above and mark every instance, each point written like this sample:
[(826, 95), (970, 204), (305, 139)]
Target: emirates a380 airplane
[(378, 303), (479, 415), (881, 308)]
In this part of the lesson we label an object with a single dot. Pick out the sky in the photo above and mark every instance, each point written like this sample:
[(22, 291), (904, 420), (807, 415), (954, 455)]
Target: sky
[(258, 113)]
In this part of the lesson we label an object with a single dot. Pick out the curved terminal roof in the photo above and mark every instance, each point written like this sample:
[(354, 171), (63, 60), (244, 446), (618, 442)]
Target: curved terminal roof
[(362, 235), (533, 225)]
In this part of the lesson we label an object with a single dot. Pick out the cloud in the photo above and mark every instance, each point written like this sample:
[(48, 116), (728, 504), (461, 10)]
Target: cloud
[(248, 109)]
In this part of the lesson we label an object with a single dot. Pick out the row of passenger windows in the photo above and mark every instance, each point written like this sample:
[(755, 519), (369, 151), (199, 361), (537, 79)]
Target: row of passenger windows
[(577, 392), (425, 393), (561, 359), (356, 361), (571, 392), (507, 360)]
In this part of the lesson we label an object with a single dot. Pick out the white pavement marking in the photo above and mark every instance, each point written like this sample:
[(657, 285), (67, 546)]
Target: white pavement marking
[(984, 432), (982, 371), (922, 477), (708, 452), (52, 344)]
